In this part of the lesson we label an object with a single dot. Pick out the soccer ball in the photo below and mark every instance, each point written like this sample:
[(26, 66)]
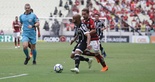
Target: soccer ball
[(58, 68)]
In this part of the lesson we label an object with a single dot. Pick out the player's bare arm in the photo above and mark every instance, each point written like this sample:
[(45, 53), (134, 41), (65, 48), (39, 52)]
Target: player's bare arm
[(72, 41), (102, 29), (88, 40), (92, 31), (38, 28)]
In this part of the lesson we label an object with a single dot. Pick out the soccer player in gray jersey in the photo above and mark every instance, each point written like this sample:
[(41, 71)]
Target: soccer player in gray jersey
[(99, 29)]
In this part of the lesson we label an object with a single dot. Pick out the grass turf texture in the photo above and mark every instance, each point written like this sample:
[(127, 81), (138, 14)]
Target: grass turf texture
[(127, 63)]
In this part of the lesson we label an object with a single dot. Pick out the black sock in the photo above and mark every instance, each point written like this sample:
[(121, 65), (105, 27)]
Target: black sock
[(84, 59), (77, 61), (101, 48)]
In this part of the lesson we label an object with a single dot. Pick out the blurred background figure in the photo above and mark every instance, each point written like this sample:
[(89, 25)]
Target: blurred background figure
[(56, 27), (1, 32), (17, 31), (60, 3)]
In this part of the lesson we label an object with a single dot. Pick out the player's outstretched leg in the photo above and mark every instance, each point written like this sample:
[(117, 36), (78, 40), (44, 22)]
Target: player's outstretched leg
[(77, 62), (88, 60), (82, 58), (102, 62)]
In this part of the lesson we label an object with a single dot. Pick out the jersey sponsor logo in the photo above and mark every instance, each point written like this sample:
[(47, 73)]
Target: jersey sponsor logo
[(30, 20)]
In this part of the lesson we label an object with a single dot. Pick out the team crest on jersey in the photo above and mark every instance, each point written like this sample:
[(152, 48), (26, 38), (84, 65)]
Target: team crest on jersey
[(30, 20)]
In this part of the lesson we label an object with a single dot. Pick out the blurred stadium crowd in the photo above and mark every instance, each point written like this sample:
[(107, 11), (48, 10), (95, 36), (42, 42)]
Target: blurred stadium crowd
[(117, 14)]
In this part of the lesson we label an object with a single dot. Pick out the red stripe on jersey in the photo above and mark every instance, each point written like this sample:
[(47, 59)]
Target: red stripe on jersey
[(16, 26), (91, 25)]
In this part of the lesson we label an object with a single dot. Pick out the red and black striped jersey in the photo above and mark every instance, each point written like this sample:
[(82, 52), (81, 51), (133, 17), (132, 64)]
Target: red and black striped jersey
[(91, 25)]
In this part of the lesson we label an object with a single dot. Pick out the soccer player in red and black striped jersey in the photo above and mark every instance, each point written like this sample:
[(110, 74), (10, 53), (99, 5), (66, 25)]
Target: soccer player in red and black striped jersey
[(94, 39)]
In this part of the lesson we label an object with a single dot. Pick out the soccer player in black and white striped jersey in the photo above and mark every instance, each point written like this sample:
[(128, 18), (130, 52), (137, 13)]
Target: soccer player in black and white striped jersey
[(78, 39), (99, 29), (84, 40)]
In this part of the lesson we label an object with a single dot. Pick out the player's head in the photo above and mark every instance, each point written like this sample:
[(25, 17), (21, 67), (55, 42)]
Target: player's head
[(16, 18), (27, 8), (85, 13), (96, 16), (76, 19)]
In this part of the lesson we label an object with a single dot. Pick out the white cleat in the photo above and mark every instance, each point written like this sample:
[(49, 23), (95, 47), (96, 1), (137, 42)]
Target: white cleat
[(16, 47), (90, 62), (76, 70)]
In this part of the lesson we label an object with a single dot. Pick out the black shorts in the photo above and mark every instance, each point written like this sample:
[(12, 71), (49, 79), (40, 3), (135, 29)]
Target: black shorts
[(75, 47), (82, 46)]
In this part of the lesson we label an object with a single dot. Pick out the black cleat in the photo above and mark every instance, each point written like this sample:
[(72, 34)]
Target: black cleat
[(34, 63), (26, 61)]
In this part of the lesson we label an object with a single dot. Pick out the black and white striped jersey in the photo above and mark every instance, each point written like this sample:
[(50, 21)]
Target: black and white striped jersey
[(80, 31), (99, 25)]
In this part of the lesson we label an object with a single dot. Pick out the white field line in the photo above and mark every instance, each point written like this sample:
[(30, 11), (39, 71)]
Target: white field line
[(13, 76)]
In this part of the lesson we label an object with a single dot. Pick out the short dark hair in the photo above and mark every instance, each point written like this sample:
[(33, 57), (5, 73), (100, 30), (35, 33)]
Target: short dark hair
[(31, 10), (86, 10)]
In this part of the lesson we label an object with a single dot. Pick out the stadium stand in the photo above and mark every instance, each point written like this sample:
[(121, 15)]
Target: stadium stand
[(10, 9), (130, 11)]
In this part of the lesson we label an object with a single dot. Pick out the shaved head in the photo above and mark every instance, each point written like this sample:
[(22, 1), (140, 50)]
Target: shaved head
[(76, 18), (27, 8)]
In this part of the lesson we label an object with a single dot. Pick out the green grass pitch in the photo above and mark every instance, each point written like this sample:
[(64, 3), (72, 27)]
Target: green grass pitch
[(127, 63)]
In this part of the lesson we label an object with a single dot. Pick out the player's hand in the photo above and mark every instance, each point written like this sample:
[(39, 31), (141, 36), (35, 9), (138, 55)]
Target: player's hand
[(71, 42), (89, 47), (38, 34), (30, 26)]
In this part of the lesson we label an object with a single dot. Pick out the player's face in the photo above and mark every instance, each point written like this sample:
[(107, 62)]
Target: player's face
[(85, 15), (96, 17), (16, 18), (27, 8)]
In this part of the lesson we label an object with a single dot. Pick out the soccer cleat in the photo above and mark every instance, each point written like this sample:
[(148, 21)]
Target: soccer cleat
[(97, 60), (30, 54), (104, 69), (26, 61), (90, 62), (16, 47), (34, 63), (76, 70)]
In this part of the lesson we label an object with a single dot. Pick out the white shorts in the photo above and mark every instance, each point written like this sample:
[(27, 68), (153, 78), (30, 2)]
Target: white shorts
[(95, 44), (16, 34)]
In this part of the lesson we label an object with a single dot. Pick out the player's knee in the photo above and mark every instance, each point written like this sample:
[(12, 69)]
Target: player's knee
[(33, 47), (96, 50), (86, 52), (25, 46), (72, 56)]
